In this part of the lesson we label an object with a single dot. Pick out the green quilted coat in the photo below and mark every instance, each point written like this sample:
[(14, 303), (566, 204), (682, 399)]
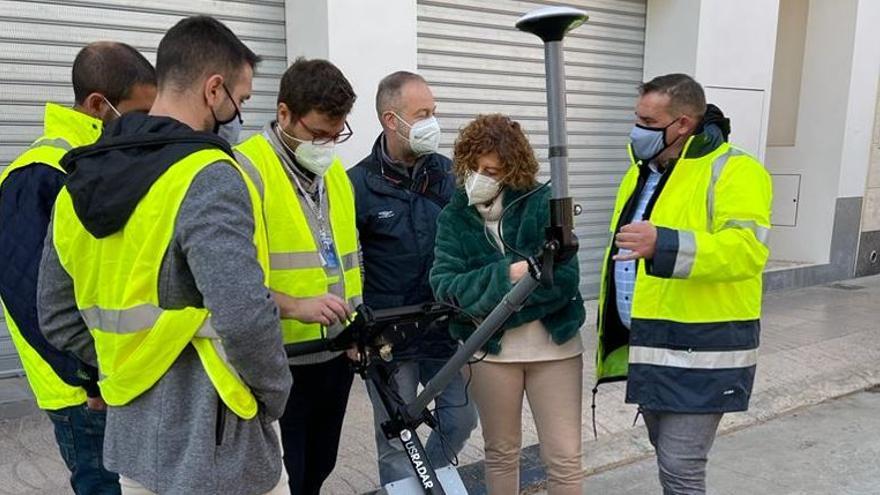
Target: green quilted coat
[(469, 269)]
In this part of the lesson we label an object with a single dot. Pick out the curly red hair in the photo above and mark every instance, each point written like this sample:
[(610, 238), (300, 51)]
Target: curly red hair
[(499, 134)]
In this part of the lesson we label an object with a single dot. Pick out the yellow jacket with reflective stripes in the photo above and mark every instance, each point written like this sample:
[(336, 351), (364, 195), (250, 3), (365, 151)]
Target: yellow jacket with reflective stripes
[(116, 285), (696, 305), (64, 129), (295, 264)]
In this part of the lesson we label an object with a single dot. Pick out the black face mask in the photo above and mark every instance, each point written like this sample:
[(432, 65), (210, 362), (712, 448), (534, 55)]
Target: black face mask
[(237, 115)]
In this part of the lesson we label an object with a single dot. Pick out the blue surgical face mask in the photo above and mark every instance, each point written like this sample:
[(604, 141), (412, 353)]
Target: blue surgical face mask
[(228, 129), (231, 131), (649, 142)]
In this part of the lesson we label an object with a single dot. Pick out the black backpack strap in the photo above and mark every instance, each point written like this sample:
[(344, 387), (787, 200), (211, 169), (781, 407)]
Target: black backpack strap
[(402, 181)]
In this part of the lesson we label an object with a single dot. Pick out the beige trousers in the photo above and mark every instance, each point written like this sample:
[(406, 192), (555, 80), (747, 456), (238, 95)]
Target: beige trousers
[(132, 487), (554, 390)]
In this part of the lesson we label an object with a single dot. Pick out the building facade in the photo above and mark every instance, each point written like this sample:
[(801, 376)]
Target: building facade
[(799, 79)]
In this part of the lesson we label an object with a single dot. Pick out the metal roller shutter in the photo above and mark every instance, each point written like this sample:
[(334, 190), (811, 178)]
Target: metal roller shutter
[(41, 38), (477, 62)]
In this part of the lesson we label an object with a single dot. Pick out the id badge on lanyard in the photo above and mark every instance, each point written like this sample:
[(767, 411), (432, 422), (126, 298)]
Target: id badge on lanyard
[(326, 246), (328, 250)]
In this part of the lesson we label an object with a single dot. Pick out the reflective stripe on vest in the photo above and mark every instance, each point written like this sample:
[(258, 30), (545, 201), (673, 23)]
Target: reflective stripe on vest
[(710, 360), (296, 267), (684, 261), (64, 129), (761, 233), (116, 286), (52, 143), (251, 171), (132, 320)]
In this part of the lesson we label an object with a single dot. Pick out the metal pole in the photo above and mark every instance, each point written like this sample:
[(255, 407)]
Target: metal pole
[(510, 304), (555, 74), (550, 24)]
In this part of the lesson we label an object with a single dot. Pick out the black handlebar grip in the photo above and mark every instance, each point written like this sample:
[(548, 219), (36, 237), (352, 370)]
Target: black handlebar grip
[(308, 347)]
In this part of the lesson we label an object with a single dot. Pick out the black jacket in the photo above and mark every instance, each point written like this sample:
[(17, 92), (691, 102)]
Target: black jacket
[(26, 201), (397, 223)]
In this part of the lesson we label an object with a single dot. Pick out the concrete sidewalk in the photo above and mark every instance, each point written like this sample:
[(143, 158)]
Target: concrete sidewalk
[(817, 343), (827, 449)]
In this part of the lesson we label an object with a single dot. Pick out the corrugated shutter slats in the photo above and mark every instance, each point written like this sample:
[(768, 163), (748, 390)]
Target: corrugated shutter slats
[(477, 62), (40, 39)]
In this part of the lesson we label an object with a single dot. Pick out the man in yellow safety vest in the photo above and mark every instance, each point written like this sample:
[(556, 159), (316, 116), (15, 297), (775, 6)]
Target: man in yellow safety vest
[(155, 269), (680, 304), (109, 79), (314, 269)]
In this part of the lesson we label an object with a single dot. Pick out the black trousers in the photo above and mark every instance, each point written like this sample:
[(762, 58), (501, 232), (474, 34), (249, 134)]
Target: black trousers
[(312, 422)]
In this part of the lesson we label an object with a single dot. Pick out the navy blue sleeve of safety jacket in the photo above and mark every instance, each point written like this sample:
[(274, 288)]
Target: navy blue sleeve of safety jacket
[(26, 200), (665, 253)]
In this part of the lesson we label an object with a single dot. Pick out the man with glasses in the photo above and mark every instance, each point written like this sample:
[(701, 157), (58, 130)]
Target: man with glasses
[(313, 254)]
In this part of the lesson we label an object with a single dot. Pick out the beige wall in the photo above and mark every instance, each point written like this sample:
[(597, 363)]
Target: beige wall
[(366, 42), (788, 67), (871, 212)]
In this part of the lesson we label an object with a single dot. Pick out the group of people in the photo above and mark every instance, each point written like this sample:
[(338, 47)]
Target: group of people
[(157, 265)]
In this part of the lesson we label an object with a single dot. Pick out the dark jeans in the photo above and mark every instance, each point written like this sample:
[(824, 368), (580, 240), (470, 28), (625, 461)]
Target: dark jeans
[(456, 417), (79, 432), (312, 423)]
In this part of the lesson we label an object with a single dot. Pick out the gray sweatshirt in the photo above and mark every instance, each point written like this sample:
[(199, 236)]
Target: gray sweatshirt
[(166, 439)]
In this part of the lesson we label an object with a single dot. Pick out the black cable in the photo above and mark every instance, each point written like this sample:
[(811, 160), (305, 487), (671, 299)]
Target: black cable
[(479, 359), (467, 385), (444, 443), (453, 459), (474, 320), (508, 247)]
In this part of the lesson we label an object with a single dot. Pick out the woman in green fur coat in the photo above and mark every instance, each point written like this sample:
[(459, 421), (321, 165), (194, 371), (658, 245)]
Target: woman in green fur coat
[(538, 351)]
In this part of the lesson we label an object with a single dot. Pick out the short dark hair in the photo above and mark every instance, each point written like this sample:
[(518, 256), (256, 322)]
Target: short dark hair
[(316, 85), (685, 94), (197, 46), (110, 68), (390, 87)]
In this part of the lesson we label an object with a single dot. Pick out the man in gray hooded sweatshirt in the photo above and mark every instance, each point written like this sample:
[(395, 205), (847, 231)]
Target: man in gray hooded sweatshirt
[(178, 436)]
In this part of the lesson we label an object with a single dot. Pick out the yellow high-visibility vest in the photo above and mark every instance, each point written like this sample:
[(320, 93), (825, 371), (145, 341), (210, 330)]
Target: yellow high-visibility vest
[(64, 129), (697, 304), (295, 264), (116, 280)]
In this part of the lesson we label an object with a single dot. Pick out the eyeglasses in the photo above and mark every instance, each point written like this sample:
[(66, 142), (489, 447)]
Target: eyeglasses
[(322, 139), (234, 105)]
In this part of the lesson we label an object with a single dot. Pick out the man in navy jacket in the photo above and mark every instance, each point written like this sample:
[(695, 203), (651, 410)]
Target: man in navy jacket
[(400, 189)]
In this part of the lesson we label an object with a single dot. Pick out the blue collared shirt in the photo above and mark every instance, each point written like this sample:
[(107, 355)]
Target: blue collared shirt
[(625, 271)]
